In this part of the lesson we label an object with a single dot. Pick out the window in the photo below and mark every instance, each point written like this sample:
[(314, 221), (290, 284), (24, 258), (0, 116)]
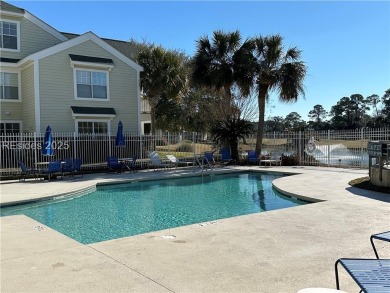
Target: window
[(9, 128), (91, 84), (92, 127), (9, 86), (8, 35)]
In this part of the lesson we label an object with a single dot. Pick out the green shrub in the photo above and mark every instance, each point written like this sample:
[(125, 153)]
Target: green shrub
[(185, 146), (290, 160)]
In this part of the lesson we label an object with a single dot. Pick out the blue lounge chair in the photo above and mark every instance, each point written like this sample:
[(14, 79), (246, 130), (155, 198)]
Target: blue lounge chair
[(53, 169), (71, 167), (67, 166), (253, 157), (371, 275), (26, 171), (113, 164), (131, 164), (226, 156), (384, 236), (76, 168), (208, 160)]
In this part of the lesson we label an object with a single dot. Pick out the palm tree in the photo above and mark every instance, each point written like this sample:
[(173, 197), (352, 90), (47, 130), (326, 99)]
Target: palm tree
[(278, 70), (223, 63), (165, 74), (231, 130)]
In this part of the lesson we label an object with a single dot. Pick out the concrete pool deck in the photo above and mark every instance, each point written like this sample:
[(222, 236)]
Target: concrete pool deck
[(276, 251)]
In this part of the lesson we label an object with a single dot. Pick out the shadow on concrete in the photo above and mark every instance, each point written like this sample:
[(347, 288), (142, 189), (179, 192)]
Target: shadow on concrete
[(385, 197)]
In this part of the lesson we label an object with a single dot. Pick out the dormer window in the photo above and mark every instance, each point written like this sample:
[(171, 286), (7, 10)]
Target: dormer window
[(9, 31)]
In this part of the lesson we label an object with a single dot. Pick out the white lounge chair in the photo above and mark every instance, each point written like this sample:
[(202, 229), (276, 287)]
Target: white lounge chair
[(276, 159), (156, 162), (176, 162)]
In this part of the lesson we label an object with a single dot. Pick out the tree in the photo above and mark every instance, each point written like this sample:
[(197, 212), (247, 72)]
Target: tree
[(278, 70), (232, 129), (374, 101), (169, 114), (274, 124), (317, 114), (165, 74), (349, 112), (221, 63), (359, 105), (293, 121), (386, 107)]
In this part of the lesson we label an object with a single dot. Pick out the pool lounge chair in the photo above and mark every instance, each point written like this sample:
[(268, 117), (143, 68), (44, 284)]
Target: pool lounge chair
[(25, 171), (384, 236), (71, 167), (371, 275), (273, 159), (113, 164), (226, 156), (208, 161), (53, 169), (156, 162), (253, 157), (176, 162)]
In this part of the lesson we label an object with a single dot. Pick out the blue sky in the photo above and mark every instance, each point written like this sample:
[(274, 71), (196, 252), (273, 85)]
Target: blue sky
[(345, 44)]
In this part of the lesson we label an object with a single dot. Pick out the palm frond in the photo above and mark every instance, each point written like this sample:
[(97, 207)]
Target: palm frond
[(290, 84)]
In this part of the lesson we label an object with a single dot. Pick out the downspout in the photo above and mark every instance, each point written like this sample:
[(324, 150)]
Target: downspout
[(37, 97), (138, 103)]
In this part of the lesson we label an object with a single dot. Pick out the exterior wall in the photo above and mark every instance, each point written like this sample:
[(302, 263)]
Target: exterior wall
[(28, 97), (11, 111), (32, 39), (56, 82)]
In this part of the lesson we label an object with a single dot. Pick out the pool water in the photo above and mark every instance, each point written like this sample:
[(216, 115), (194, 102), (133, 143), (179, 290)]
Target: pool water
[(115, 211)]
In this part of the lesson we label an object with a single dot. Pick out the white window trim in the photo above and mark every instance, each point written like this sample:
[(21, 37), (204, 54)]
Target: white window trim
[(20, 122), (91, 70), (18, 72), (76, 124), (83, 64), (17, 36), (143, 126)]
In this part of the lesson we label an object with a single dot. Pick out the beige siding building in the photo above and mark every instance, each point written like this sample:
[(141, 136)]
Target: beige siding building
[(74, 83)]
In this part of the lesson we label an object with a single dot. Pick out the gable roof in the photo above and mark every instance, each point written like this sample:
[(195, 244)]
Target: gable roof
[(89, 36), (9, 9), (4, 6), (126, 48)]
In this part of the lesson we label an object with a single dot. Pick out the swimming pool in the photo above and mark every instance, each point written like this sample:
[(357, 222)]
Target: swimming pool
[(120, 210)]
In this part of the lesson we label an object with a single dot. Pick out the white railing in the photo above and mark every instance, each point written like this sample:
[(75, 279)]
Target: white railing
[(321, 148)]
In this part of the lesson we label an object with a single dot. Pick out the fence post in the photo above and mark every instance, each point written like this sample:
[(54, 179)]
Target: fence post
[(274, 142), (169, 143), (361, 147), (35, 150), (74, 146), (141, 145), (109, 143), (193, 147), (300, 152), (328, 147)]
